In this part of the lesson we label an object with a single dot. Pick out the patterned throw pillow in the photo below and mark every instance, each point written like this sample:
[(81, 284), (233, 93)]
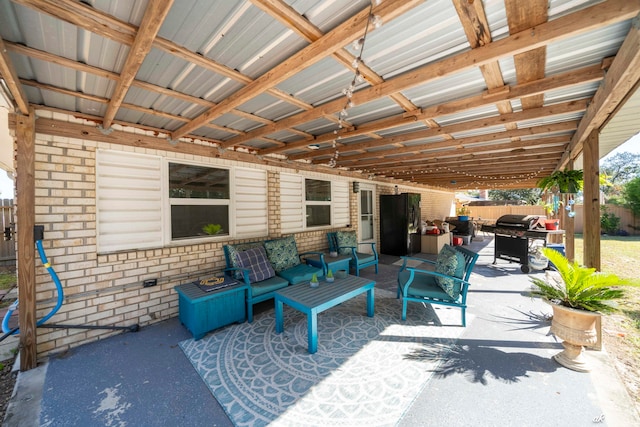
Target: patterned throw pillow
[(256, 261), (282, 253), (233, 254), (451, 263), (346, 238)]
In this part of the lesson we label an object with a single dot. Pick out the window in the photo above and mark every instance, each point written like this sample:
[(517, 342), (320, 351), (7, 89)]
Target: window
[(199, 197), (317, 202)]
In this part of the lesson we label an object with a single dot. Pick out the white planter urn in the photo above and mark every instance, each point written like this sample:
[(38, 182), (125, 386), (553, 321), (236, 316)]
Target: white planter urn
[(577, 328)]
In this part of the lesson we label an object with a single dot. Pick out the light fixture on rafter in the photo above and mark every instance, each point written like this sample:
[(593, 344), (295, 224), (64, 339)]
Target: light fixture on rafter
[(375, 21)]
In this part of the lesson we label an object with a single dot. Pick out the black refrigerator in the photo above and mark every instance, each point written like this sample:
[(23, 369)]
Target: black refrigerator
[(400, 224)]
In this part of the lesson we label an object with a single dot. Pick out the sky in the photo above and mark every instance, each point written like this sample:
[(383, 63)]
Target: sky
[(6, 186)]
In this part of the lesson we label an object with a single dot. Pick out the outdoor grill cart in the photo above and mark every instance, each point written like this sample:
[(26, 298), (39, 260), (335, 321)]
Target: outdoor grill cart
[(516, 236)]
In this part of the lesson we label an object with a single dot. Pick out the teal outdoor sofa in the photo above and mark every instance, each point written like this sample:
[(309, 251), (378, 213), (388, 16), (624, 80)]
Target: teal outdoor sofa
[(447, 285), (346, 243), (283, 266)]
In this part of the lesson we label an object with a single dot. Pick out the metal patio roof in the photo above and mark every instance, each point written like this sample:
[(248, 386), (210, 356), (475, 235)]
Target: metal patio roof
[(455, 94)]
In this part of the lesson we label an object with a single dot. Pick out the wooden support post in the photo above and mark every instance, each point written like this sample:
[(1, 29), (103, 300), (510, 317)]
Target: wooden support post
[(25, 203), (591, 201)]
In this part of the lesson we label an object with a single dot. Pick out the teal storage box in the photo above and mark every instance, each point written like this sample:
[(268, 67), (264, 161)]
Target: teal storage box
[(202, 312)]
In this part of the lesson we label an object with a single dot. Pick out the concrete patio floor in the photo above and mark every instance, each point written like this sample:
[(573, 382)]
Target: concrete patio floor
[(499, 373)]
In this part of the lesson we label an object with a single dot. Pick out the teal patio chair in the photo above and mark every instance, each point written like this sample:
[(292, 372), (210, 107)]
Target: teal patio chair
[(346, 243), (447, 285)]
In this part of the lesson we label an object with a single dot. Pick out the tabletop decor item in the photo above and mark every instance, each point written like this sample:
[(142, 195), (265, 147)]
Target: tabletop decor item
[(314, 281), (329, 276)]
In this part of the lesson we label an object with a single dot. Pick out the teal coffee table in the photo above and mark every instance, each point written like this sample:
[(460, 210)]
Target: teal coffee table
[(312, 301)]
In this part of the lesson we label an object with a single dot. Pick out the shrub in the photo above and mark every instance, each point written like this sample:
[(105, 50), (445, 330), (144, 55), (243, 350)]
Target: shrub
[(609, 222)]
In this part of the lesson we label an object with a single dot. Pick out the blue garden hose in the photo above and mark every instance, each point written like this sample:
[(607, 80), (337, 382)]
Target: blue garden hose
[(54, 310)]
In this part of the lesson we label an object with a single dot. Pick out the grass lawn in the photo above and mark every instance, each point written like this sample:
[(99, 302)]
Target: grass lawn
[(621, 256)]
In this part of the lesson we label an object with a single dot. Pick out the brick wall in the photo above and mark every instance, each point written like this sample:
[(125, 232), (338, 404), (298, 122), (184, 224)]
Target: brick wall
[(106, 289)]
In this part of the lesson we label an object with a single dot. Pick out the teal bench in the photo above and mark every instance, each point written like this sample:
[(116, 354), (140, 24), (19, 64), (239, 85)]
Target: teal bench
[(287, 264), (447, 285)]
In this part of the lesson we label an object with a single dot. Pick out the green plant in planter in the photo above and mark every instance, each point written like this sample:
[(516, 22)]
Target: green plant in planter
[(463, 211), (212, 229), (567, 181), (314, 278), (579, 287), (577, 295)]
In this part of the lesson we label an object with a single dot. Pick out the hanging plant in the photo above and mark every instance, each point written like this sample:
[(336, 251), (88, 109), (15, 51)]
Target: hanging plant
[(568, 181)]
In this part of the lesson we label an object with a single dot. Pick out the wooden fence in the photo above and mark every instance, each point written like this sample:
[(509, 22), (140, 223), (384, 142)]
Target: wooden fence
[(7, 248), (490, 214)]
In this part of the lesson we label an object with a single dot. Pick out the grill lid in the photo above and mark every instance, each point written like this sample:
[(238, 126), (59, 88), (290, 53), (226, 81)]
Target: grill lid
[(522, 222)]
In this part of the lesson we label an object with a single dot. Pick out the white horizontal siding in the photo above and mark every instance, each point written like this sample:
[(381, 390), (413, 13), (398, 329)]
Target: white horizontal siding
[(340, 203), (251, 210), (291, 203), (129, 201)]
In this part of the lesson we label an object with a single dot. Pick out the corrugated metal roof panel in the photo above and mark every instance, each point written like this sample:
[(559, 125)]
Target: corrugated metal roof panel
[(586, 90), (269, 107), (585, 49), (326, 15), (319, 83), (471, 114), (456, 86), (429, 32), (377, 109)]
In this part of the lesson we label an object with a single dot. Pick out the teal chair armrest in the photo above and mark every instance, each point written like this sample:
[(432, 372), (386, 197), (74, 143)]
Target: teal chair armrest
[(413, 258), (413, 271)]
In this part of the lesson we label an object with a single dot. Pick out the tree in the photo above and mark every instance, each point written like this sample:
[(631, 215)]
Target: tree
[(619, 169), (529, 196), (632, 195)]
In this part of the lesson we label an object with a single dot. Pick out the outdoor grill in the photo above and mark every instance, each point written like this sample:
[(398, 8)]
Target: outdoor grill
[(514, 235)]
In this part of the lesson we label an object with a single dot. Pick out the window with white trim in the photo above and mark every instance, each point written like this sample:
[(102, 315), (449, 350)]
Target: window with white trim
[(307, 203), (317, 202), (200, 198)]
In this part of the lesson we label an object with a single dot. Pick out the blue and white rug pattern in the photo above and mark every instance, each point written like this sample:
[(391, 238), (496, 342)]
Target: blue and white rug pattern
[(362, 375)]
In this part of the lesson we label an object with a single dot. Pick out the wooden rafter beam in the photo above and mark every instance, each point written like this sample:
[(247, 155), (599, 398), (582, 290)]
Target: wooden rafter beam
[(478, 143), (10, 77), (360, 163), (90, 19), (74, 65), (484, 123), (153, 18), (323, 47), (290, 18), (566, 26), (554, 82)]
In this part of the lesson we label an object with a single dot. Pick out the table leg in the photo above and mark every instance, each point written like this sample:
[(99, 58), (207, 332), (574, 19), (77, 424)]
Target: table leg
[(279, 316), (312, 331), (370, 302)]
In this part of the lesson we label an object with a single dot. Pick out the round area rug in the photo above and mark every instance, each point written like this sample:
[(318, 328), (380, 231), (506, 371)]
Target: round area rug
[(366, 372)]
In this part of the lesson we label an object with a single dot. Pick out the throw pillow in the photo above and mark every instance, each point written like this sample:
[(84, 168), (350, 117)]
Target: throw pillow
[(282, 253), (346, 238), (255, 260), (451, 263), (233, 254)]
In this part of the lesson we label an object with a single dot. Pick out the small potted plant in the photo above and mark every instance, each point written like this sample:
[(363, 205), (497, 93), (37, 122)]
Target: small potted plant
[(329, 276), (212, 229), (463, 213), (578, 295), (314, 281)]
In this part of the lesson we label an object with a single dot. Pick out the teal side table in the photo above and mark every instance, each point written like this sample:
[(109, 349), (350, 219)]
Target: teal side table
[(202, 312)]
